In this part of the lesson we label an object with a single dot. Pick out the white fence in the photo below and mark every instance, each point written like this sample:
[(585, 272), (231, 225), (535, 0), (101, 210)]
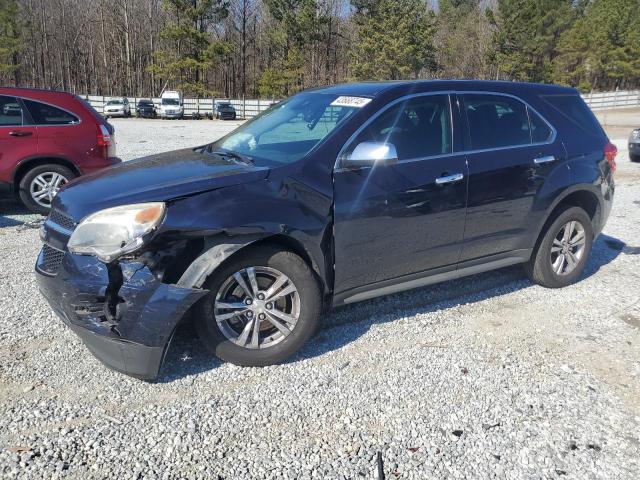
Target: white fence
[(244, 108), (617, 99), (251, 107)]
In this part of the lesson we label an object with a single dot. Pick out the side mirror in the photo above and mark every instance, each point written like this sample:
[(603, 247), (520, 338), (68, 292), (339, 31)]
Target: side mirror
[(368, 154)]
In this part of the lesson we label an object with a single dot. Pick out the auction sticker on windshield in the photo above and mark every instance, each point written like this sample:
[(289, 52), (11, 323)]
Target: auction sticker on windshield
[(357, 102)]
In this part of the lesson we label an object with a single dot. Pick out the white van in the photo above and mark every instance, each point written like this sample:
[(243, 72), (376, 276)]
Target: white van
[(171, 105)]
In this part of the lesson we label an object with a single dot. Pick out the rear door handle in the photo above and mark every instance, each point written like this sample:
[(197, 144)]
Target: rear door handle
[(20, 133), (456, 177), (545, 159)]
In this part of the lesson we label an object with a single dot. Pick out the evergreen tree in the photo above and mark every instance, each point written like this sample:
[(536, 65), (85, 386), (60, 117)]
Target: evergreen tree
[(462, 39), (394, 40), (602, 48), (298, 24), (526, 37), (10, 40), (193, 50)]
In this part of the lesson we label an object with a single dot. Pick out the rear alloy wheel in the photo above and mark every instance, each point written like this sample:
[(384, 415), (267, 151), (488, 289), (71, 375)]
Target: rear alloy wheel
[(41, 184), (261, 308), (562, 254)]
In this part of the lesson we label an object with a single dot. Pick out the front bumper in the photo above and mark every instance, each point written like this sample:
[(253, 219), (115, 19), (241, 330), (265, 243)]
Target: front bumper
[(171, 115), (133, 335), (634, 148)]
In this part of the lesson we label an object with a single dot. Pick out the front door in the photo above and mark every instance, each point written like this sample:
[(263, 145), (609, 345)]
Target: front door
[(511, 152), (407, 217)]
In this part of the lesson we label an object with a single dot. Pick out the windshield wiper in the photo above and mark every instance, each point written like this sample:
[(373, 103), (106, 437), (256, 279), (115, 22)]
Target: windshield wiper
[(235, 156)]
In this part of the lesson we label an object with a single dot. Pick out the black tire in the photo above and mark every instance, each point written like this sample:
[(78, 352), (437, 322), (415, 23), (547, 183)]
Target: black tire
[(634, 158), (25, 185), (540, 268), (308, 322)]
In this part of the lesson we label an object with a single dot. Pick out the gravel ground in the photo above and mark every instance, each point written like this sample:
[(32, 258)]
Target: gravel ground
[(484, 377)]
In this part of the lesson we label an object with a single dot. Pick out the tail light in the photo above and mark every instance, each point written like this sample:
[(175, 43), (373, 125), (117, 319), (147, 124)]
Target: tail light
[(106, 141), (610, 152)]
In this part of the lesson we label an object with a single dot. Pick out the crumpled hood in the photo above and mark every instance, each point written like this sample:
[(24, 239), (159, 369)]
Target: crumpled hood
[(159, 177)]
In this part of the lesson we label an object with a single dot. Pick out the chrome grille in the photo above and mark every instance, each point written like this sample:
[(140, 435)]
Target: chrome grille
[(51, 259), (59, 218)]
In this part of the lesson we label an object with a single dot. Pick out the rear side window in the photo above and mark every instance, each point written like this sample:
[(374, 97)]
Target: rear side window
[(418, 127), (576, 110), (540, 131), (10, 112), (496, 121), (44, 114)]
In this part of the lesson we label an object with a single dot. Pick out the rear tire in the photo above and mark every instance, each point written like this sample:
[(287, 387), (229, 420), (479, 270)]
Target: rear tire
[(40, 179), (563, 251), (265, 344)]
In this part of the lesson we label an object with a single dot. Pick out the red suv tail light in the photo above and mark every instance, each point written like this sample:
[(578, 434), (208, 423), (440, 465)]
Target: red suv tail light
[(610, 152), (106, 141)]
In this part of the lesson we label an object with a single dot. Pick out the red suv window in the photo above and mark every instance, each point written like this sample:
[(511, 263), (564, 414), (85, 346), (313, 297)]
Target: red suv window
[(44, 114)]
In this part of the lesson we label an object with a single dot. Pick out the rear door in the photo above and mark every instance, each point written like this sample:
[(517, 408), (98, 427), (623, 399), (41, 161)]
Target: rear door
[(404, 218), (18, 139), (511, 151)]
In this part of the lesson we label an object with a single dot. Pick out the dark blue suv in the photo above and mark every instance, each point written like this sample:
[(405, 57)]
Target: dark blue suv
[(333, 196)]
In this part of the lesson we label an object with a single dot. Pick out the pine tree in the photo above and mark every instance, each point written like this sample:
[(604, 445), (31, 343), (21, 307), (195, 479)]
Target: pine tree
[(10, 40), (602, 48), (193, 50), (394, 40), (526, 37)]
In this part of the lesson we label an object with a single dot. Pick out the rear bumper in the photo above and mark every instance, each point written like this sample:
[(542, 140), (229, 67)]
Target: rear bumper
[(99, 165), (131, 337)]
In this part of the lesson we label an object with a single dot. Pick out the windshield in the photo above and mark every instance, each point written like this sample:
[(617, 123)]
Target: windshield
[(115, 102), (145, 102), (287, 131), (170, 101)]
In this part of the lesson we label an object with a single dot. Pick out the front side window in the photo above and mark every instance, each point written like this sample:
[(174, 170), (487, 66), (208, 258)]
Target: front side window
[(496, 121), (287, 131), (44, 114), (418, 127), (10, 112)]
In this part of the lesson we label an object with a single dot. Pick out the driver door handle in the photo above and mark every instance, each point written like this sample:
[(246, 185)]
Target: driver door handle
[(545, 159), (456, 177), (20, 133)]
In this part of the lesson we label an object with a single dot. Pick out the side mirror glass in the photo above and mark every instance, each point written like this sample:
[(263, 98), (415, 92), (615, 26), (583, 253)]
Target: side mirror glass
[(368, 154)]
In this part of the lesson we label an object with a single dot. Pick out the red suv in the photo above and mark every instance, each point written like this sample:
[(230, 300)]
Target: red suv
[(48, 138)]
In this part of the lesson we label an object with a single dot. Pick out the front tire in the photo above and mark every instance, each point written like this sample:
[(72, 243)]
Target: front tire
[(563, 251), (261, 308), (40, 184)]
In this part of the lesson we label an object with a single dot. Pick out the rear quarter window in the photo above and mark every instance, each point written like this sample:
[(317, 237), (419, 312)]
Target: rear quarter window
[(44, 114), (576, 110)]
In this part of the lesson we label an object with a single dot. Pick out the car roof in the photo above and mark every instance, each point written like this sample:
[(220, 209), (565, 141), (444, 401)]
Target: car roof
[(373, 89), (40, 93)]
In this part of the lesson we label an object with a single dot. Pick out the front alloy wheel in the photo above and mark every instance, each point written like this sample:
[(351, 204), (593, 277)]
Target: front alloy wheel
[(257, 307), (262, 306)]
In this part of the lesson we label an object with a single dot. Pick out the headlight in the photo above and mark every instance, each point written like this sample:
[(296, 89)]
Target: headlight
[(113, 232)]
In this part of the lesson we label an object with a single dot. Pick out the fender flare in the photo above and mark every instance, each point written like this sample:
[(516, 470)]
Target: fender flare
[(561, 198), (196, 274)]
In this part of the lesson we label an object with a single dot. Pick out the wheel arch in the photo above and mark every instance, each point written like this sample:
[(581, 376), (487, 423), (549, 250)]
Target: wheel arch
[(583, 196), (29, 163), (217, 254)]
